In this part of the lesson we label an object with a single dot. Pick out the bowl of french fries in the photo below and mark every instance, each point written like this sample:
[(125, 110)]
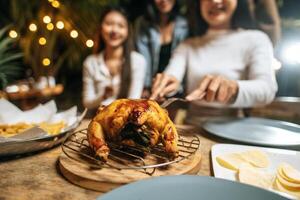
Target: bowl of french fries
[(33, 130), (10, 130)]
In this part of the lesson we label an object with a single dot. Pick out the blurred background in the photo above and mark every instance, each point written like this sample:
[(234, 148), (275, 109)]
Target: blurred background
[(44, 42)]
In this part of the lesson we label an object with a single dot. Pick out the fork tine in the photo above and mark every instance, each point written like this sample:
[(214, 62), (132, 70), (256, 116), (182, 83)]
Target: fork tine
[(170, 101), (165, 103), (173, 99)]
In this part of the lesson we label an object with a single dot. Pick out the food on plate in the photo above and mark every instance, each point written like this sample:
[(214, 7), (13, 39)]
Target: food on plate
[(290, 173), (256, 157), (233, 161), (287, 180), (284, 181), (52, 128), (279, 186), (11, 130), (8, 130), (252, 167), (132, 122), (255, 176)]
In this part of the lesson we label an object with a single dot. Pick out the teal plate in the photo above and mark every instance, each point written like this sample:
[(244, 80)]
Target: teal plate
[(187, 187), (257, 131)]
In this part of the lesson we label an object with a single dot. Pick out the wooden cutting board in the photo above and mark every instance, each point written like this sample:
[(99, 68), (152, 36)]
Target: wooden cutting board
[(106, 179)]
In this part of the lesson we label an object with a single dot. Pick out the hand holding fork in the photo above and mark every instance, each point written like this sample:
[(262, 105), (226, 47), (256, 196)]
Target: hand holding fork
[(211, 88)]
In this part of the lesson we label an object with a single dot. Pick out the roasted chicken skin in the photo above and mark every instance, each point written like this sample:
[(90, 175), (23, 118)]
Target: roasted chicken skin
[(132, 122)]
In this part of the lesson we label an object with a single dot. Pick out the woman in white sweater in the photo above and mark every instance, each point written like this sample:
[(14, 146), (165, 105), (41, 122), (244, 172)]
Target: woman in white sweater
[(225, 64), (115, 70)]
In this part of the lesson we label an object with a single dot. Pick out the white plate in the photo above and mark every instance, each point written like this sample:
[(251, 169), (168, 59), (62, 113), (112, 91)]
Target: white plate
[(276, 156)]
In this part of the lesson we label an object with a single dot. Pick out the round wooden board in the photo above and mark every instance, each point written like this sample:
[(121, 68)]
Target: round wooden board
[(107, 179)]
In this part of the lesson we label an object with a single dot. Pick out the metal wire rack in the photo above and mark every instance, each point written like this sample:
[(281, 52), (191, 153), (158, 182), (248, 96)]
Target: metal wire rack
[(122, 157)]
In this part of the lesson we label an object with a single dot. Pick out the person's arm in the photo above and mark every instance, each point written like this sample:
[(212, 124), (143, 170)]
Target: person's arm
[(178, 62), (91, 99), (169, 82), (138, 76), (268, 19), (260, 85)]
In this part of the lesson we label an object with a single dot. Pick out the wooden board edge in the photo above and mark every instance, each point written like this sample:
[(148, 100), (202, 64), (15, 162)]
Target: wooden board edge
[(87, 183), (194, 170)]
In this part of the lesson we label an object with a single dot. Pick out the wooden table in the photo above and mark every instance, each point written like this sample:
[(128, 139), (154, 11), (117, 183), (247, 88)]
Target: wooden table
[(36, 176)]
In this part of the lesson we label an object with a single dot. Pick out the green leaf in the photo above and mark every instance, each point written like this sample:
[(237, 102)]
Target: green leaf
[(3, 80), (10, 67), (3, 31), (4, 44), (10, 58)]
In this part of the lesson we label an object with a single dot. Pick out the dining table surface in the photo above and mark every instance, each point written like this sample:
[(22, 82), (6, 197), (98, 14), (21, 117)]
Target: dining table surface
[(37, 175)]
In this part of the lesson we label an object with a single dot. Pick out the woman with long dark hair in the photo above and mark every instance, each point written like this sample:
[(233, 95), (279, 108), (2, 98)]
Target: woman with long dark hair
[(224, 63), (250, 14), (158, 32), (114, 70)]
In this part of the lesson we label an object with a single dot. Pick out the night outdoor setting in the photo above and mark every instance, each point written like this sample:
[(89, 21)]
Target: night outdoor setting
[(150, 99)]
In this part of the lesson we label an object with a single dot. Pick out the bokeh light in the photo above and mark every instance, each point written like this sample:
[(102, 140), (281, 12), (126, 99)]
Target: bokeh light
[(60, 25), (13, 34), (46, 62), (89, 43), (55, 4), (42, 41), (46, 19), (32, 27), (50, 26), (290, 53), (74, 34)]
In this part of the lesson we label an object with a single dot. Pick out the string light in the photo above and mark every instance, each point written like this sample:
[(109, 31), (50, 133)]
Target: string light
[(46, 62), (50, 26), (89, 43), (42, 41), (46, 19), (74, 34), (60, 25), (13, 34), (55, 4), (32, 27)]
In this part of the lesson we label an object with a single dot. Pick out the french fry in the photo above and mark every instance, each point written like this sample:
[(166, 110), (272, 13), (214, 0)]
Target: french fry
[(7, 130)]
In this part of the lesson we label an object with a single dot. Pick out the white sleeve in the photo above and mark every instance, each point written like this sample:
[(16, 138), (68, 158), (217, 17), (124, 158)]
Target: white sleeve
[(90, 98), (260, 85), (178, 62), (138, 76)]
